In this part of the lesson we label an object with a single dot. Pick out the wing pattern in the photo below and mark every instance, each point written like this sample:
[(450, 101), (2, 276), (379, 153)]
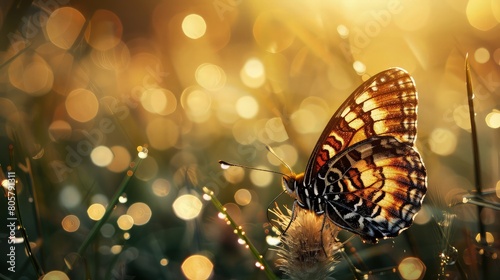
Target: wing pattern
[(386, 104), (374, 188), (364, 172)]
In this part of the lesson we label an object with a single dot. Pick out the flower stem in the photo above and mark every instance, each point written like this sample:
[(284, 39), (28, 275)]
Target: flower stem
[(97, 226), (239, 231), (34, 262)]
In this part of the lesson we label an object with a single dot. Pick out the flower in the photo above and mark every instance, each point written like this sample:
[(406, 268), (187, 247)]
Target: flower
[(309, 246)]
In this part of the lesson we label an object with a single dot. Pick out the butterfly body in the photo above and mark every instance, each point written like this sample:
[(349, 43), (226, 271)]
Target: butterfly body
[(364, 173)]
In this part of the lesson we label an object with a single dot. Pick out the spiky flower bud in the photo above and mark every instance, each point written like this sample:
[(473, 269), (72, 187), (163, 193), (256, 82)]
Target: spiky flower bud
[(309, 246)]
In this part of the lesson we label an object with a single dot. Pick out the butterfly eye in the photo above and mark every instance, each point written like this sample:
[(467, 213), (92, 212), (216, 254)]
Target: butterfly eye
[(288, 184)]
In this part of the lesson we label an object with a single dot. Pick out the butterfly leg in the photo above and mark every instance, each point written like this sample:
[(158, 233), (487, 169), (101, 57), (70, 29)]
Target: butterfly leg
[(292, 217), (321, 234)]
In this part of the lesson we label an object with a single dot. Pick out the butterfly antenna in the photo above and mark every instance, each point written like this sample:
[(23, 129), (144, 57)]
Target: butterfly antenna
[(226, 165), (280, 159), (276, 205)]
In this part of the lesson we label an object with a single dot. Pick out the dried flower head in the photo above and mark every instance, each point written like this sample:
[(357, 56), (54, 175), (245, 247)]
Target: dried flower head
[(309, 244)]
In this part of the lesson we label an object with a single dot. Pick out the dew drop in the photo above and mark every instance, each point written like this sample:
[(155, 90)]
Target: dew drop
[(449, 255), (142, 152), (224, 165), (221, 215), (272, 240)]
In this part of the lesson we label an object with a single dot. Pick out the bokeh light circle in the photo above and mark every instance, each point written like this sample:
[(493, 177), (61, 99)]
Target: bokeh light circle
[(161, 187), (104, 30), (125, 222), (210, 76), (247, 107), (359, 67), (32, 74), (234, 175), (196, 103), (442, 141), (70, 197), (424, 216), (101, 156), (164, 262), (253, 73), (411, 268), (261, 179), (60, 130), (140, 213), (55, 275), (482, 55), (343, 31), (194, 26), (187, 207), (197, 267), (480, 15), (154, 100), (63, 26), (82, 105), (493, 119), (496, 55), (120, 161), (108, 230), (96, 211), (70, 223), (242, 197), (490, 239), (148, 168)]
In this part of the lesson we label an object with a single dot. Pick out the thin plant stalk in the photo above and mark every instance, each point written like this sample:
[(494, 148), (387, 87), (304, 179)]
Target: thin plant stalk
[(34, 262), (97, 226), (33, 193), (241, 234), (475, 153)]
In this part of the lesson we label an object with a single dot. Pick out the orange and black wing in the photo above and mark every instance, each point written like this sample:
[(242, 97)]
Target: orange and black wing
[(374, 188), (384, 105)]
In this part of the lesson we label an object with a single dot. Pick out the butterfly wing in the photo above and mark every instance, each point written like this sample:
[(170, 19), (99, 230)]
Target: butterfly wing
[(386, 104), (374, 188)]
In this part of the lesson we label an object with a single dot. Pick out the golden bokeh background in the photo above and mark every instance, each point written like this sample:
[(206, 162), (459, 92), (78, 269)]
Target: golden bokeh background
[(83, 83)]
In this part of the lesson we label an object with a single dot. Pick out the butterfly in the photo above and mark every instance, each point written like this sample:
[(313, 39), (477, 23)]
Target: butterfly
[(364, 173)]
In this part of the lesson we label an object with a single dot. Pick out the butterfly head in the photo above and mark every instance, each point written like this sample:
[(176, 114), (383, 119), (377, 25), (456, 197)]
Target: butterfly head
[(291, 183)]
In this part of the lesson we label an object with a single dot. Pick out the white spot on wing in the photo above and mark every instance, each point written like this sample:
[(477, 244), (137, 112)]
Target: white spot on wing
[(329, 149), (344, 113), (356, 124), (350, 116), (369, 105)]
